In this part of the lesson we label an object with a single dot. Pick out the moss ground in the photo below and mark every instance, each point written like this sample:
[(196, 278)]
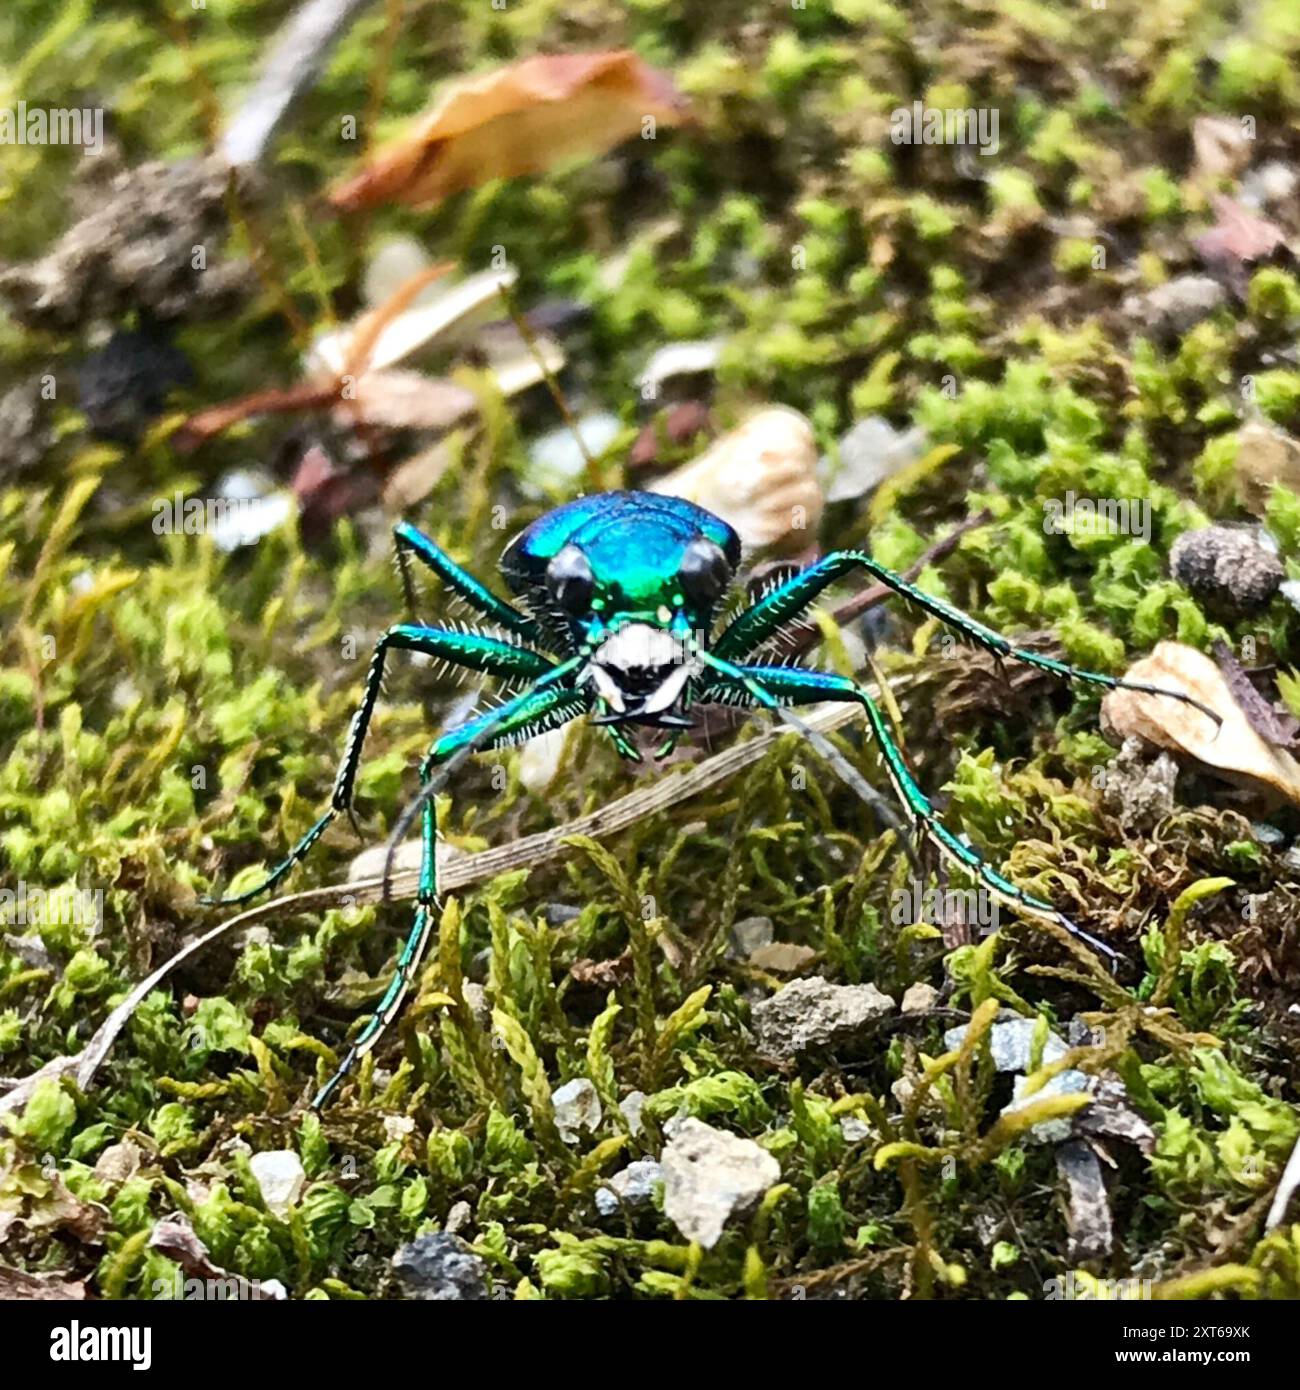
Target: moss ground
[(171, 717)]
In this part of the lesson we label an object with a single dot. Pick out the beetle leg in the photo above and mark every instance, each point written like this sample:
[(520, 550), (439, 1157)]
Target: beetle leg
[(742, 681), (476, 651), (751, 628), (626, 748), (519, 719), (797, 685), (410, 540)]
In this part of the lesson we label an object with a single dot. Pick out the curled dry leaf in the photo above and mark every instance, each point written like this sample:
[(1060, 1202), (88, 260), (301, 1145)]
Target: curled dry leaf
[(603, 974), (520, 119), (41, 1203), (1234, 750), (1272, 725), (762, 478), (408, 400), (417, 314), (352, 370), (329, 383), (174, 1237)]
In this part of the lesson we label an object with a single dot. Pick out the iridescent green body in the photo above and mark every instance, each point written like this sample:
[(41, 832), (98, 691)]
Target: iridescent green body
[(618, 597)]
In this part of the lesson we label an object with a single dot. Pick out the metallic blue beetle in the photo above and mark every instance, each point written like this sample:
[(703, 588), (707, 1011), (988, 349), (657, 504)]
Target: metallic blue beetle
[(617, 599)]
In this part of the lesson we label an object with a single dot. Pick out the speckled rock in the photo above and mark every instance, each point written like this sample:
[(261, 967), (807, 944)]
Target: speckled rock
[(813, 1014), (632, 1186), (1136, 789), (710, 1176), (577, 1108), (1176, 306), (1227, 568), (441, 1268)]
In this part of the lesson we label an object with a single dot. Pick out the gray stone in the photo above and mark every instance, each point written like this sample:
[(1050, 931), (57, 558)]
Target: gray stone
[(748, 935), (1272, 185), (1012, 1043), (280, 1177), (854, 1129), (631, 1106), (813, 1014), (1176, 306), (1139, 790), (557, 459), (440, 1268), (920, 998), (577, 1108), (477, 1001), (1065, 1083), (709, 1176), (870, 453), (26, 432), (633, 1186)]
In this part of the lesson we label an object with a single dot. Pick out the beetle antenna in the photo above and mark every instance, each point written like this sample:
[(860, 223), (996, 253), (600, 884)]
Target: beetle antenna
[(525, 331)]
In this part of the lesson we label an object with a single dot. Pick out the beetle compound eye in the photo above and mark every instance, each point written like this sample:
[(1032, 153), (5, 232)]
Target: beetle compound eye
[(705, 571), (570, 581)]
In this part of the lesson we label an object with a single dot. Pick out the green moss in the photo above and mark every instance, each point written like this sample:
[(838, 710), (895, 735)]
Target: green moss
[(171, 717)]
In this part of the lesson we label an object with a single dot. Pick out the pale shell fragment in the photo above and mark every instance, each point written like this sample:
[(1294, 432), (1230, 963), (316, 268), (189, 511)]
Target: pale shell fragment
[(761, 478), (1233, 749)]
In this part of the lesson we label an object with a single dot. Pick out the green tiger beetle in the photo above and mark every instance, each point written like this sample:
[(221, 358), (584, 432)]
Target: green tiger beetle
[(617, 595)]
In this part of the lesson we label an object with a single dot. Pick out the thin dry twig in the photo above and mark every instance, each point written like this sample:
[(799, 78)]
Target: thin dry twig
[(457, 872)]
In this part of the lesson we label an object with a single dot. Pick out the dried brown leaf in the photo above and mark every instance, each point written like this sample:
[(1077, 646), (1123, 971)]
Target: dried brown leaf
[(1234, 749), (520, 119), (366, 333), (175, 1238), (406, 400), (603, 974), (1268, 723)]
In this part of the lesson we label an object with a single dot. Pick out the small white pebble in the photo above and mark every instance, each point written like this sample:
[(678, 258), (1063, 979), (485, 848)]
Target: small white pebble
[(631, 1106), (577, 1107), (281, 1178)]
